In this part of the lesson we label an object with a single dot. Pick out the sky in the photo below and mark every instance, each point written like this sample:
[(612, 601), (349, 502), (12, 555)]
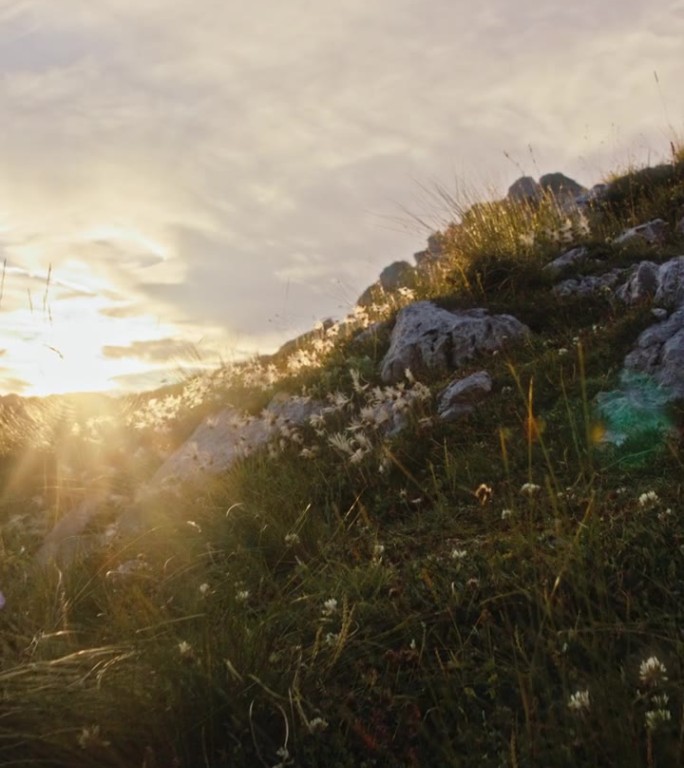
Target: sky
[(186, 182)]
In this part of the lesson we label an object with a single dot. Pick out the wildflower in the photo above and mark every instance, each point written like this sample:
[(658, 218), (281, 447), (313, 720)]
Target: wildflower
[(342, 443), (90, 737), (562, 351), (648, 499), (185, 650), (204, 589), (291, 539), (242, 595), (458, 554), (656, 717), (329, 607), (579, 702), (652, 671), (317, 724), (506, 513), (483, 493), (356, 381), (530, 489), (331, 638)]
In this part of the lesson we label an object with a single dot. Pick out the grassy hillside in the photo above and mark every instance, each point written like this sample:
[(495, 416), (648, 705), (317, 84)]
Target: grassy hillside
[(504, 590)]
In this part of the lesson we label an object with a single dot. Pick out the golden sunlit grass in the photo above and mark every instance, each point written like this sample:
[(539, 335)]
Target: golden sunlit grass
[(502, 590)]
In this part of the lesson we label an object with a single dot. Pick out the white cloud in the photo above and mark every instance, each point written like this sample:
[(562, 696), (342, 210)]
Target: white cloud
[(229, 164)]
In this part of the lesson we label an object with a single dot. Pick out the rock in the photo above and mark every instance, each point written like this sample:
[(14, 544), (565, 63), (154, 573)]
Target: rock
[(659, 352), (303, 340), (562, 187), (66, 540), (426, 338), (397, 275), (589, 285), (524, 188), (432, 254), (594, 195), (567, 259), (214, 446), (679, 226), (641, 285), (670, 283), (462, 395), (222, 439), (652, 232)]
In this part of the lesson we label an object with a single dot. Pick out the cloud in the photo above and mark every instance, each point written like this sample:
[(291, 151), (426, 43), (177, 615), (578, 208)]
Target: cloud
[(233, 168), (155, 351)]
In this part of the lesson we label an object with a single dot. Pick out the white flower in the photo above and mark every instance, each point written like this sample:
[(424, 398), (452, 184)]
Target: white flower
[(652, 671), (530, 489), (579, 701), (204, 588), (458, 554), (242, 595), (648, 499), (317, 724), (291, 539), (90, 738), (185, 649), (329, 607), (506, 513), (656, 717), (378, 550), (331, 638)]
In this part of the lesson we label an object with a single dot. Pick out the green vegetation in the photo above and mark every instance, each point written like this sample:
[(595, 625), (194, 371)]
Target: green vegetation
[(505, 590)]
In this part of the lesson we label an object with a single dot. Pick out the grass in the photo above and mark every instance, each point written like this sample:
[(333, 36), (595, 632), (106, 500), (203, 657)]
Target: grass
[(503, 590)]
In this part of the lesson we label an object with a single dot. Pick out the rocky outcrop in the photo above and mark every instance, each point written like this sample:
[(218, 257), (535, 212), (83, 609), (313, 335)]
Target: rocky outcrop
[(566, 191), (659, 352), (399, 274), (523, 189), (428, 339), (225, 437)]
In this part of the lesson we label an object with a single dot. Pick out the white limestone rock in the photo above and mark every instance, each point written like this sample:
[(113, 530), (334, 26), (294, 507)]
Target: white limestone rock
[(426, 338), (462, 396)]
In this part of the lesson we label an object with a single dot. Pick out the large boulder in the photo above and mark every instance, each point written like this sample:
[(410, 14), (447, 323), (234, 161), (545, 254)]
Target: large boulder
[(427, 338)]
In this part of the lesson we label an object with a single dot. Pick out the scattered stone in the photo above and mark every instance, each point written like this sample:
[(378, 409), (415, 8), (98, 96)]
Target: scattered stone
[(462, 396), (426, 338), (652, 232), (568, 259), (589, 285)]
